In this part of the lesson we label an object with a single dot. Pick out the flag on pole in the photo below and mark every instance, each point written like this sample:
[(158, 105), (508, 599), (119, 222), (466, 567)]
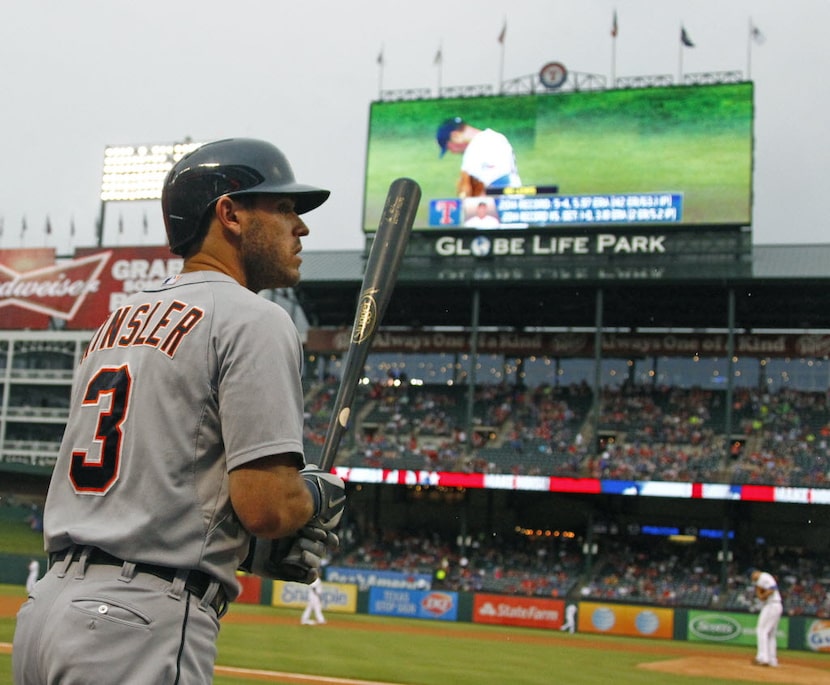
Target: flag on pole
[(48, 226), (72, 227), (614, 28), (439, 57), (503, 32), (684, 38), (380, 57), (23, 227), (756, 35)]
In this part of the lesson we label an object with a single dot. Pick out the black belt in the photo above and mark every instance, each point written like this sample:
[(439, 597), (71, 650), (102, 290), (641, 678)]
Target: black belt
[(196, 583)]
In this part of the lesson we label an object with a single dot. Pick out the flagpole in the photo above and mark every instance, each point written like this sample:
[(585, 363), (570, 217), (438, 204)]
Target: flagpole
[(680, 58), (502, 40), (614, 63), (439, 61), (380, 73), (501, 69)]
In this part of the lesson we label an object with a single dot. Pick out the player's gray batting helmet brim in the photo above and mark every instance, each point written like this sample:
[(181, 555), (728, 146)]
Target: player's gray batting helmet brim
[(234, 166)]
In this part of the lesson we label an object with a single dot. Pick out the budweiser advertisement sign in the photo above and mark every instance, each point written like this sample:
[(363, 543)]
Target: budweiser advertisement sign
[(38, 291)]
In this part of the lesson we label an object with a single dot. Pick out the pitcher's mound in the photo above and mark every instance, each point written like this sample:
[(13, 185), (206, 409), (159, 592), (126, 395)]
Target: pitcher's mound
[(735, 668)]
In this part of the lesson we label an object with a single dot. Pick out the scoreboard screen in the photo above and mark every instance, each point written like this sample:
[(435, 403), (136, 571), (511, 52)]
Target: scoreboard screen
[(673, 155)]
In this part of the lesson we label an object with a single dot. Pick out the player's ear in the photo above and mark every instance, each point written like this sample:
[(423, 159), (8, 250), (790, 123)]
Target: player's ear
[(225, 210)]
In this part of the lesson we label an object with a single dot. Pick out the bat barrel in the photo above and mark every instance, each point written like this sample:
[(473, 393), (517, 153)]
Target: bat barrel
[(380, 275)]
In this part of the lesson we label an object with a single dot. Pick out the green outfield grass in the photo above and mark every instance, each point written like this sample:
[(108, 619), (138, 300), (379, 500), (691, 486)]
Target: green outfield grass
[(16, 537), (431, 653)]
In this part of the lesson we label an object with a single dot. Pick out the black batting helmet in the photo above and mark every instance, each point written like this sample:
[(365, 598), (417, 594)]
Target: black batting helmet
[(234, 166)]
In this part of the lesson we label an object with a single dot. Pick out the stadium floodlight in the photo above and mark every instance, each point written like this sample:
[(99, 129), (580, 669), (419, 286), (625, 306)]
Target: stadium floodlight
[(137, 172)]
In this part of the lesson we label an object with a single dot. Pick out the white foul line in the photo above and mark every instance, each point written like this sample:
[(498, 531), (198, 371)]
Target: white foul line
[(296, 677)]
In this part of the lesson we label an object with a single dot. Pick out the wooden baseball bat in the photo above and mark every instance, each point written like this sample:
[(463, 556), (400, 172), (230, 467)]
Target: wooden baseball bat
[(382, 266)]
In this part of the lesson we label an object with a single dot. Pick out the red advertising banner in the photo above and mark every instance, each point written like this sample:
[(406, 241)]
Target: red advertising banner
[(36, 289), (531, 612)]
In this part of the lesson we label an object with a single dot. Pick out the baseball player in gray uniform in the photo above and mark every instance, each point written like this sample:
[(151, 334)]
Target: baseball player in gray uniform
[(766, 591), (182, 458)]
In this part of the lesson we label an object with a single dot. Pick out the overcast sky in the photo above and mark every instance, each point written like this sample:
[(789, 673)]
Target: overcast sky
[(80, 75)]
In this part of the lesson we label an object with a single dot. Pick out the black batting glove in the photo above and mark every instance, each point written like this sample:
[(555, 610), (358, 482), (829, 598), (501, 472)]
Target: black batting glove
[(297, 558), (329, 495)]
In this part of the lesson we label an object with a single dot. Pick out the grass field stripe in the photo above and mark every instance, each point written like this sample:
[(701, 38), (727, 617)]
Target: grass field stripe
[(273, 676), (281, 676)]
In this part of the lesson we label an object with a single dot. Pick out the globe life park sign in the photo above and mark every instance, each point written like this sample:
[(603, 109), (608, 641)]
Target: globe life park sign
[(560, 254), (545, 245)]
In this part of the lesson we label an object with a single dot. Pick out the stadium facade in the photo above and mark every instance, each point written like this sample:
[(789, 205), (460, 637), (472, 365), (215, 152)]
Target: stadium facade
[(671, 294)]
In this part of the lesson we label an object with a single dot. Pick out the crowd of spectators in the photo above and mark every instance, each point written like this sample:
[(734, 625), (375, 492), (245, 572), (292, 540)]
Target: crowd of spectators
[(787, 438), (642, 433), (519, 566), (655, 574), (632, 570)]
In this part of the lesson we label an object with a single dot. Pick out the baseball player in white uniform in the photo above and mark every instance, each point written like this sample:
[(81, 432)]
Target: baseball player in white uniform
[(183, 443), (314, 605), (766, 591), (488, 159), (34, 573), (570, 618)]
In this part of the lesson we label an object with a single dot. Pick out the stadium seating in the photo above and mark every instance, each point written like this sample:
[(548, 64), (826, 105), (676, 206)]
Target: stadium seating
[(643, 433), (627, 570)]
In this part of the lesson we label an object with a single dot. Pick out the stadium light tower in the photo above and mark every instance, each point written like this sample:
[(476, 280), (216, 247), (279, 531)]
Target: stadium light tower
[(136, 173)]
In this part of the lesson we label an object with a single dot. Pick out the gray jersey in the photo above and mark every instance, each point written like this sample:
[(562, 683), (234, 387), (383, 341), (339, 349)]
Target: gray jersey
[(180, 385)]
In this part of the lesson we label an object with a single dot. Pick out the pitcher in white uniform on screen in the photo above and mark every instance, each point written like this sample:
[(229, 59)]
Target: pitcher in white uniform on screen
[(487, 157)]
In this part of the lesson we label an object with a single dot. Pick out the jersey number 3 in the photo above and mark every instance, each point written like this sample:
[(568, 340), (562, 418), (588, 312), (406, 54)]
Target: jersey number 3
[(109, 392)]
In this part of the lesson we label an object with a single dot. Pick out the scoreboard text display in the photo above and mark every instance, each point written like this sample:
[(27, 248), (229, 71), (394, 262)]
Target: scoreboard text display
[(663, 156)]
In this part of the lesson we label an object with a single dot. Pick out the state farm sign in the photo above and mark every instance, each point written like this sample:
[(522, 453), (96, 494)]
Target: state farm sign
[(513, 610)]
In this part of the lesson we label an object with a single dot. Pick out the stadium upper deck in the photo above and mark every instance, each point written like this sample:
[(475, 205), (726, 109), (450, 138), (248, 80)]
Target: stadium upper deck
[(775, 287)]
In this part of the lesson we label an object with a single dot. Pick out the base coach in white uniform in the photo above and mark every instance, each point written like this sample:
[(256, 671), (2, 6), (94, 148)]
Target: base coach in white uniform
[(182, 458)]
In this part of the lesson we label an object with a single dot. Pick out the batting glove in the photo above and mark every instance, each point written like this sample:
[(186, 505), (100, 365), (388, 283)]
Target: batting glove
[(329, 495), (297, 558)]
